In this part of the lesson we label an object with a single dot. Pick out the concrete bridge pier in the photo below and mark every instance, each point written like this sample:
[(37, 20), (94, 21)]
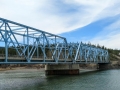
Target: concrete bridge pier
[(62, 69), (103, 66)]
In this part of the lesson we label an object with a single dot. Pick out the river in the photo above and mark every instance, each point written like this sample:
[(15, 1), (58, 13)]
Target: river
[(33, 79)]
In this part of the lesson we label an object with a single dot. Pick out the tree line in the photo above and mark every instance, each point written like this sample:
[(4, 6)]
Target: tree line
[(114, 54)]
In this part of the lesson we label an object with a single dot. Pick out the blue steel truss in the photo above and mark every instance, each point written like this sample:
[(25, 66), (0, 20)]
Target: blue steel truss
[(36, 46)]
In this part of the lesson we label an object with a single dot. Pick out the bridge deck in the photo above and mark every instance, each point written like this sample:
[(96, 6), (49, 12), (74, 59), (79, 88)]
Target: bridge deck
[(21, 60)]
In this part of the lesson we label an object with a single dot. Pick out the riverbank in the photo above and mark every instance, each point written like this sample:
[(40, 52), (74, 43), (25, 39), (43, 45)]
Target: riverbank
[(112, 65), (18, 66), (26, 69), (83, 67)]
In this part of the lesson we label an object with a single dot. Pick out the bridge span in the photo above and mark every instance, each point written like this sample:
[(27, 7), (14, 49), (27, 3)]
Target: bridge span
[(21, 44)]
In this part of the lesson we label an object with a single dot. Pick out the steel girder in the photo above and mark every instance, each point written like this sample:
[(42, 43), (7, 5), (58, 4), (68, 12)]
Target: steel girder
[(32, 45)]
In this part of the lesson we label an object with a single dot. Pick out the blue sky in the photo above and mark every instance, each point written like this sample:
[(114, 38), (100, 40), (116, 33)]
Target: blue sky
[(95, 21), (91, 30)]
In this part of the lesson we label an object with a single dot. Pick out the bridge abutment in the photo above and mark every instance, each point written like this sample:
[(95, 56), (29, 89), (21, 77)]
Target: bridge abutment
[(62, 69)]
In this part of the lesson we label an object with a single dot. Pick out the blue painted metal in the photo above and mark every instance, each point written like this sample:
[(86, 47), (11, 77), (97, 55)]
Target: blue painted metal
[(35, 46)]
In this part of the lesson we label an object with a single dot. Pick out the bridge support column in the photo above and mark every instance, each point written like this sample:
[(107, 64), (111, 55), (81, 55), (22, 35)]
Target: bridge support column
[(104, 66), (62, 69)]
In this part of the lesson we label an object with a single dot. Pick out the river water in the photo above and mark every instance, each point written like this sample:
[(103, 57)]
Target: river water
[(33, 79)]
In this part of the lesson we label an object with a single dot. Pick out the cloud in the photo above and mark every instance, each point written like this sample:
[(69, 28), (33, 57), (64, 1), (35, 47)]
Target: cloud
[(109, 36), (109, 41), (91, 30), (51, 15)]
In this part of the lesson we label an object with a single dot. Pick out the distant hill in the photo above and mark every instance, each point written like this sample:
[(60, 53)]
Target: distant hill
[(114, 54)]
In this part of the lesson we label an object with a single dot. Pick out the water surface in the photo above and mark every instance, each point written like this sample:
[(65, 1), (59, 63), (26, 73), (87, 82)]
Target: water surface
[(36, 80)]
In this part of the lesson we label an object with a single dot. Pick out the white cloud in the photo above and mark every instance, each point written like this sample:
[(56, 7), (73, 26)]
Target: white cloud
[(109, 37), (45, 14), (109, 41)]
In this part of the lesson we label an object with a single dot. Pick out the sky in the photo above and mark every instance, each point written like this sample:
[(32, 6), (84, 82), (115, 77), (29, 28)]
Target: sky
[(95, 21)]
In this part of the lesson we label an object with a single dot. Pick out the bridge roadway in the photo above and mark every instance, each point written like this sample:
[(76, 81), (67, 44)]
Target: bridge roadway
[(35, 60)]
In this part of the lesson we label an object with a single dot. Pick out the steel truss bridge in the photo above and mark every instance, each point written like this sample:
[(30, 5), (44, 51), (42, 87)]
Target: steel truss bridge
[(21, 44)]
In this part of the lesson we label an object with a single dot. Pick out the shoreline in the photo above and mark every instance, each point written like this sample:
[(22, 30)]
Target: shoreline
[(81, 70), (19, 68)]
